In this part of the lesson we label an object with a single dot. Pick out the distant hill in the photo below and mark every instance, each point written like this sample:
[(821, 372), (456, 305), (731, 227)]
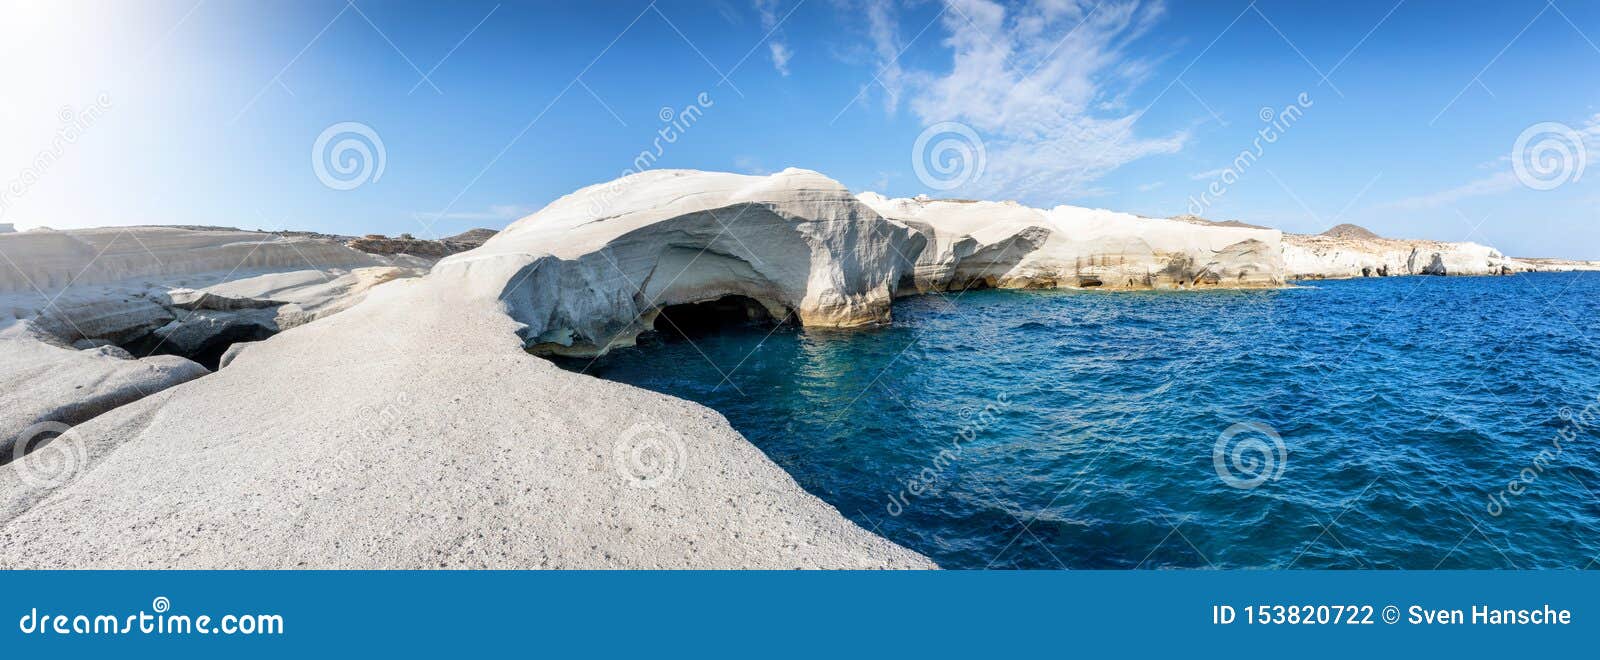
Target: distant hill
[(1349, 231), (473, 236), (408, 244)]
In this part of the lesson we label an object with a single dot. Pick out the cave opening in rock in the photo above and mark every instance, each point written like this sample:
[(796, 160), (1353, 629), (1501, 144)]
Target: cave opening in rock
[(707, 317), (207, 351)]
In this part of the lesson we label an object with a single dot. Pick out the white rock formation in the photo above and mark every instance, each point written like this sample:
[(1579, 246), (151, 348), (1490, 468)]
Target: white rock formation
[(43, 380), (593, 269), (48, 260), (178, 294), (1348, 251), (1547, 265), (1007, 245)]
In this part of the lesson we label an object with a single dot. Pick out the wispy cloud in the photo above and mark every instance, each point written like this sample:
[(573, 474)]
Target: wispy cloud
[(1042, 84), (881, 184), (884, 31), (776, 46), (1208, 174), (1505, 180), (1500, 182), (1147, 187)]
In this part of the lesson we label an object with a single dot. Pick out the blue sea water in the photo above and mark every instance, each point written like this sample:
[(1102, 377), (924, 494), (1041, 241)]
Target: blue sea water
[(1407, 422)]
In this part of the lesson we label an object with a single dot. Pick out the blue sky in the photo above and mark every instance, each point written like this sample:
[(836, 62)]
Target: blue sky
[(212, 108)]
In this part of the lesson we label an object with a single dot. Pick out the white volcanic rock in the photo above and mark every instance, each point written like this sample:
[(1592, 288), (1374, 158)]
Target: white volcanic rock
[(44, 381), (594, 269), (1349, 251), (49, 260), (299, 296), (413, 431), (119, 284), (1007, 245), (1548, 265), (179, 294)]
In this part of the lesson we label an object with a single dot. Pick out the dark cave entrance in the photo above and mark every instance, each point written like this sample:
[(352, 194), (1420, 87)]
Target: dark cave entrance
[(207, 352), (708, 317)]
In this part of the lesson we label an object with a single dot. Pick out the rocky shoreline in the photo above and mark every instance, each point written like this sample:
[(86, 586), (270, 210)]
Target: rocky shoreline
[(374, 403)]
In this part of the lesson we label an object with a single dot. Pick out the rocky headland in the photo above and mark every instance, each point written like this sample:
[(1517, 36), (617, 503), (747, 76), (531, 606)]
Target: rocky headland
[(1347, 251), (207, 397)]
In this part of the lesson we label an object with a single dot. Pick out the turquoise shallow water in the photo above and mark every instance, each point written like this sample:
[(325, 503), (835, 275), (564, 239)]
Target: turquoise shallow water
[(1371, 423)]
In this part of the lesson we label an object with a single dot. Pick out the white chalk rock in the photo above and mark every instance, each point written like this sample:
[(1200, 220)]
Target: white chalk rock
[(44, 381), (593, 269), (1349, 251), (106, 292), (1007, 245), (50, 260)]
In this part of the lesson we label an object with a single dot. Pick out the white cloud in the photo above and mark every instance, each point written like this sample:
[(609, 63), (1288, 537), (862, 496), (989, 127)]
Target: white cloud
[(1503, 181), (780, 56), (776, 46), (881, 184), (1040, 84), (1208, 174), (1495, 184), (884, 31), (1147, 187)]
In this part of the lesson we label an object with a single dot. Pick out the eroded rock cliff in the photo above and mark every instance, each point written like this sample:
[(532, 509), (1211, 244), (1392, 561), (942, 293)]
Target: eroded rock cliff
[(596, 268), (1347, 251), (1007, 245)]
